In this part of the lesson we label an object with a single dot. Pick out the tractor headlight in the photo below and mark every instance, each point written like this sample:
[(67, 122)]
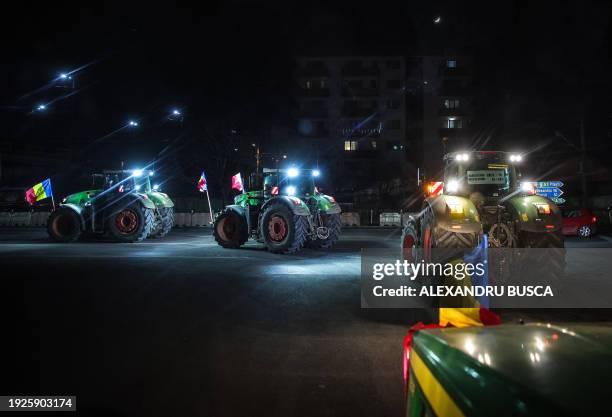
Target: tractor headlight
[(137, 173), (516, 158), (290, 190), (543, 208), (452, 186), (528, 187), (316, 173), (156, 187), (462, 157), (137, 187), (293, 172)]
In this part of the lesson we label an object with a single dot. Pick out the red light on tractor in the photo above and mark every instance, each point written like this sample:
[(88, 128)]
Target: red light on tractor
[(550, 226), (274, 190)]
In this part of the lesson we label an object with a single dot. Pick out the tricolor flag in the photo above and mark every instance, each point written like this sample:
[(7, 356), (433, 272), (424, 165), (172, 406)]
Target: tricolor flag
[(202, 184), (39, 192), (237, 182)]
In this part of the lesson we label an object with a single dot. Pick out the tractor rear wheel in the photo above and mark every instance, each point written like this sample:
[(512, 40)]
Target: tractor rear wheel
[(133, 223), (434, 237), (167, 222), (230, 229), (64, 225), (282, 231), (333, 222), (549, 263)]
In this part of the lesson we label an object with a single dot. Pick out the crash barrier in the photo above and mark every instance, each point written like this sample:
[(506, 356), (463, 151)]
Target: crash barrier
[(182, 219), (350, 219), (391, 219), (21, 218), (191, 219), (39, 219), (5, 219)]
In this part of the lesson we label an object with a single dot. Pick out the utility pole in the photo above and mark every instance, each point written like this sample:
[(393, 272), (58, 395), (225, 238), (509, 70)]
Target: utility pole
[(582, 170)]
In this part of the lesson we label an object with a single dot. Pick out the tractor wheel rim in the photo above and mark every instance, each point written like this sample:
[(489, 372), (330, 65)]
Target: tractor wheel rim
[(126, 221), (277, 228), (226, 228)]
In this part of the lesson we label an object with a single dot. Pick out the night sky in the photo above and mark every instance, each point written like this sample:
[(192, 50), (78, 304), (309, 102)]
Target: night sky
[(229, 63)]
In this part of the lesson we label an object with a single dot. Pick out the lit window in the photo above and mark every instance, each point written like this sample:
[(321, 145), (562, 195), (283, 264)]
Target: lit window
[(323, 84), (308, 84), (454, 123), (451, 63), (451, 103), (373, 144), (350, 145)]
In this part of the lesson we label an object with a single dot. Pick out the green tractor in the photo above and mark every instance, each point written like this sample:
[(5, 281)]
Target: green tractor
[(121, 203), (483, 193), (284, 210)]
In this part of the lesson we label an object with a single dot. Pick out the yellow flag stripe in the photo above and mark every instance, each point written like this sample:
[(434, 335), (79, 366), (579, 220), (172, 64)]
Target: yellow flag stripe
[(39, 191), (437, 397)]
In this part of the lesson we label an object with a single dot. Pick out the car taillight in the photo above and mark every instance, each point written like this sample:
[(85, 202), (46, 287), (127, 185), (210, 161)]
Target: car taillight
[(594, 219)]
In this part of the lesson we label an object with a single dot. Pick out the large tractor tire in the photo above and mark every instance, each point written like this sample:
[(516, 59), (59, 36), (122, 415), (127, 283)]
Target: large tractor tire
[(333, 222), (548, 264), (167, 222), (230, 229), (133, 223), (64, 225), (283, 232), (434, 237)]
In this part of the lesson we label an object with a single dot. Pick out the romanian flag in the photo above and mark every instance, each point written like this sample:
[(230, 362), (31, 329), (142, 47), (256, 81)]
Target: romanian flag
[(202, 184), (39, 192)]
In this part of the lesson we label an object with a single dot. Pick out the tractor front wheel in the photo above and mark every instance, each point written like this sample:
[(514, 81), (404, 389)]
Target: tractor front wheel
[(64, 225), (333, 222), (283, 232), (230, 229), (133, 223), (167, 222)]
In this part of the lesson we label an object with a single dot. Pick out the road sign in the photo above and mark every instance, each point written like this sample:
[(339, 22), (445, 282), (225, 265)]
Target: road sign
[(558, 200), (549, 192), (544, 184)]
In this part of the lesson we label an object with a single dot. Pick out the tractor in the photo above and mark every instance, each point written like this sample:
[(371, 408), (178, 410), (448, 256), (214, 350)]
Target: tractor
[(483, 193), (121, 203), (284, 210)]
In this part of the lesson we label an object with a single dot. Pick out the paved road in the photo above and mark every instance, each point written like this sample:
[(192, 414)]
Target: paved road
[(182, 327)]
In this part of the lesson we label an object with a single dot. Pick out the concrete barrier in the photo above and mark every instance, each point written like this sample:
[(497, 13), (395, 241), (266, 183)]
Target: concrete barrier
[(350, 219), (200, 219), (391, 219), (182, 219), (21, 218), (5, 218), (39, 219)]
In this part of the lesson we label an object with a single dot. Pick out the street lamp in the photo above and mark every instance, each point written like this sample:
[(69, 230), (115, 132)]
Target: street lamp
[(437, 19), (133, 123), (41, 107)]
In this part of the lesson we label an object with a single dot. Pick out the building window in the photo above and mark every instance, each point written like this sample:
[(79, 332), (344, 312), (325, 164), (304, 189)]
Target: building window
[(451, 103), (393, 104), (451, 63), (373, 144), (308, 84), (454, 123), (393, 83), (393, 124), (350, 145), (323, 83)]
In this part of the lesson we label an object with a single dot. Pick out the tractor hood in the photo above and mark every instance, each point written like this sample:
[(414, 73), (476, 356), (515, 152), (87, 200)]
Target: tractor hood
[(80, 198), (536, 213)]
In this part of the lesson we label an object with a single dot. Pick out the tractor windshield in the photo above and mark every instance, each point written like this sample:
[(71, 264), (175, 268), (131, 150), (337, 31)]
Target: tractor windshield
[(487, 176), (280, 183)]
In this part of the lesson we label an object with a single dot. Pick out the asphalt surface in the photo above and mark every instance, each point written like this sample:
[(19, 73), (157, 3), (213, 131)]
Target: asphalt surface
[(182, 327)]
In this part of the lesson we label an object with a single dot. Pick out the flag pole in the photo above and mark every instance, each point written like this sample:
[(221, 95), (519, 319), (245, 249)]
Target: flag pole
[(53, 202), (212, 214)]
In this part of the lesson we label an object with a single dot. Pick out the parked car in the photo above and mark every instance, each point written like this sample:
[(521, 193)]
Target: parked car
[(581, 222)]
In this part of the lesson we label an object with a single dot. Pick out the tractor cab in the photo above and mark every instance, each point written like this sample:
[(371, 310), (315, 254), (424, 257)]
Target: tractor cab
[(483, 175), (290, 182), (121, 181)]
